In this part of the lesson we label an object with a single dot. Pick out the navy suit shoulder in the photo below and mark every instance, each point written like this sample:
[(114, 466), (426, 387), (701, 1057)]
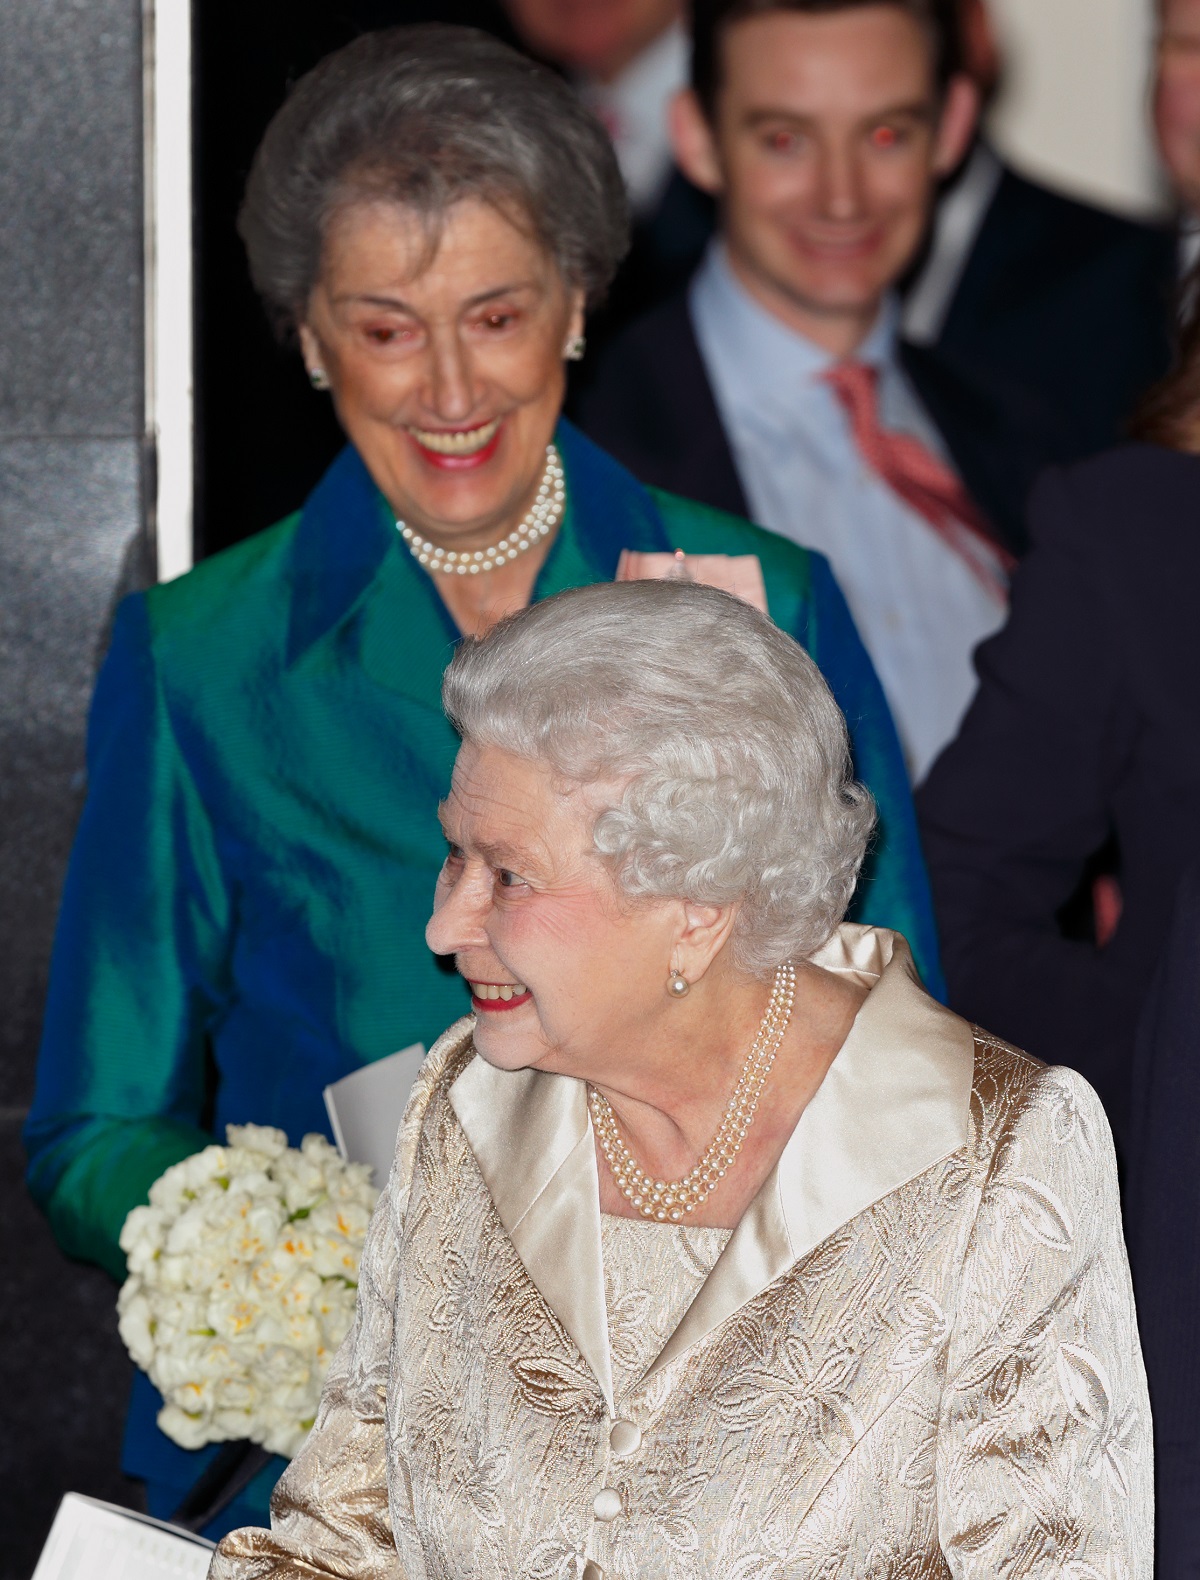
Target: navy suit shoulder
[(1069, 300), (1128, 519), (1124, 493), (650, 404), (1085, 729)]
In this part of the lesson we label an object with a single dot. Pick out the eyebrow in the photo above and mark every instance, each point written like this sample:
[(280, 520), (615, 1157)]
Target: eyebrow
[(398, 303), (495, 855)]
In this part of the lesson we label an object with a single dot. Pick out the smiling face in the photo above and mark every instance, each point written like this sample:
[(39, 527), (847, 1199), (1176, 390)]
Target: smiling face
[(827, 143), (446, 369), (1177, 97), (524, 902)]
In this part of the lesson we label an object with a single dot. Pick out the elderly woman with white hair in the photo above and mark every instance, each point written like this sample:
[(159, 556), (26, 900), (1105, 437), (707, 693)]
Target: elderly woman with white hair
[(713, 1246)]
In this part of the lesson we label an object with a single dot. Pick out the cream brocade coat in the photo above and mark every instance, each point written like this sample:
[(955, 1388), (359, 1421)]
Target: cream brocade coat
[(916, 1356)]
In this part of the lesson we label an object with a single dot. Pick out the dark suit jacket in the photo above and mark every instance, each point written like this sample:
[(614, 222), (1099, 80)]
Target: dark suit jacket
[(1069, 301), (651, 405), (1086, 726), (1162, 1212)]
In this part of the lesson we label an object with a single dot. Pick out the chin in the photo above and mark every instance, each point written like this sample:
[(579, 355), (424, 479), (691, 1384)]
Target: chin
[(505, 1049)]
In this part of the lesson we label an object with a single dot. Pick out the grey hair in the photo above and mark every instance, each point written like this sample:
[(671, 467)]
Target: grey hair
[(425, 116), (733, 756)]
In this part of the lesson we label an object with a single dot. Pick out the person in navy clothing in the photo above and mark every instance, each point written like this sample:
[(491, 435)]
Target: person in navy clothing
[(1084, 734)]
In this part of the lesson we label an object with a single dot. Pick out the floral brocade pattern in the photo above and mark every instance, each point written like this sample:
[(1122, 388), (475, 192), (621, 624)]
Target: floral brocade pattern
[(948, 1385), (651, 1274)]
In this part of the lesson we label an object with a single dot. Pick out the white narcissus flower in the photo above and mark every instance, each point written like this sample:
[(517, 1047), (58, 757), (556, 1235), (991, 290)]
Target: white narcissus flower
[(242, 1278)]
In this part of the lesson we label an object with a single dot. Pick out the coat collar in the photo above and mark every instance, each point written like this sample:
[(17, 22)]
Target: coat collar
[(894, 1102), (347, 556)]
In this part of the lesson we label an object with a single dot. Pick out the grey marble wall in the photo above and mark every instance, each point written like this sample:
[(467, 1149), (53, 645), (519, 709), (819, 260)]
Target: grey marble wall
[(70, 529)]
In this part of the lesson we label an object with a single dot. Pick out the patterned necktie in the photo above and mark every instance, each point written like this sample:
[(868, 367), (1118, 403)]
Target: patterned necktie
[(926, 484)]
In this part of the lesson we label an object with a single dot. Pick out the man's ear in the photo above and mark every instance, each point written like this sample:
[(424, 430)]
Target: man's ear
[(693, 141), (956, 124)]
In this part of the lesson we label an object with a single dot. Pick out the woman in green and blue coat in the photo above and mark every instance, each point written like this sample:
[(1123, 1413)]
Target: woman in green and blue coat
[(244, 914)]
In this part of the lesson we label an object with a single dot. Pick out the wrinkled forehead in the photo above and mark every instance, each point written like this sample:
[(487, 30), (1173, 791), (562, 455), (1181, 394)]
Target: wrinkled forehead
[(463, 248), (500, 803)]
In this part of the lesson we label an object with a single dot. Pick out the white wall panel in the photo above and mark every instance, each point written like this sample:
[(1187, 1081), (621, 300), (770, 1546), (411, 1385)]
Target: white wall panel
[(1073, 110)]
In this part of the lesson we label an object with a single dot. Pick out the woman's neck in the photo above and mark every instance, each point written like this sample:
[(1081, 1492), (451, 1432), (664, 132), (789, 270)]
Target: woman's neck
[(476, 603), (669, 1109)]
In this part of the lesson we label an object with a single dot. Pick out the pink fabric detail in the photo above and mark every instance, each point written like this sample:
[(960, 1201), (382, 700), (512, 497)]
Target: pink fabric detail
[(739, 574)]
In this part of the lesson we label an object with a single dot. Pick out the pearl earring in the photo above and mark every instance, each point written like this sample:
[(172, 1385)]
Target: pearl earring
[(678, 986), (318, 378), (574, 348)]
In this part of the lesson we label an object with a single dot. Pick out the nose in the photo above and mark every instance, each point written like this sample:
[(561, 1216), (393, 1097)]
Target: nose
[(460, 909), (841, 183), (451, 393)]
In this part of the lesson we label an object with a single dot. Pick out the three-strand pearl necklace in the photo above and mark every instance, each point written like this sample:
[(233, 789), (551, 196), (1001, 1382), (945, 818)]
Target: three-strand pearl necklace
[(670, 1201), (539, 523)]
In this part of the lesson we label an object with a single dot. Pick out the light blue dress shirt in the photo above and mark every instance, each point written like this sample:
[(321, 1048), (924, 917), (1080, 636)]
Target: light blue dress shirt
[(918, 607)]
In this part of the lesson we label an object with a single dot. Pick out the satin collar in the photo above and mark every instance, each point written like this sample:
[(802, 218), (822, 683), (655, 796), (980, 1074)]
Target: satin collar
[(894, 1102), (346, 547)]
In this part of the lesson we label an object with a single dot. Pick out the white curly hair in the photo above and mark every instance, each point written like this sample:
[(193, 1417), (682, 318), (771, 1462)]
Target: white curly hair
[(733, 757)]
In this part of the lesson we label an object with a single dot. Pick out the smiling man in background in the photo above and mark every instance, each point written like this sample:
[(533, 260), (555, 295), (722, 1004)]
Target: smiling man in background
[(778, 385)]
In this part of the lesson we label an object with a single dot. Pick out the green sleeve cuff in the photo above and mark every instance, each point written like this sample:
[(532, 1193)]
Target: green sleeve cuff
[(110, 1175)]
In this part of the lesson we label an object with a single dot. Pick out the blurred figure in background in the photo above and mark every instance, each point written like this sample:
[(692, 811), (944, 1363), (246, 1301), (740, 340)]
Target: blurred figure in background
[(627, 59), (1177, 116), (1070, 301), (778, 386), (1085, 731)]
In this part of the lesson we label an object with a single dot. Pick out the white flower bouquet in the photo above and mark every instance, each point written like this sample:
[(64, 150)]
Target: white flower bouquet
[(242, 1279)]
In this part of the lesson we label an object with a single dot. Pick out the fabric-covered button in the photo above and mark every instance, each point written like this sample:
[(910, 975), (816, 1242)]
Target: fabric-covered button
[(607, 1504), (625, 1438), (592, 1571)]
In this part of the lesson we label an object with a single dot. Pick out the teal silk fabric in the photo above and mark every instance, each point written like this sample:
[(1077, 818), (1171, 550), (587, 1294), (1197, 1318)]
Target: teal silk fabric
[(243, 920)]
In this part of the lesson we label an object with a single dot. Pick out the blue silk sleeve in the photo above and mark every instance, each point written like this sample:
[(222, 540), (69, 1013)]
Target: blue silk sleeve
[(138, 969)]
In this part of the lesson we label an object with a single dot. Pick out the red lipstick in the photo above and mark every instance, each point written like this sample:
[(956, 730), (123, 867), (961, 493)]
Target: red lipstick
[(494, 1006)]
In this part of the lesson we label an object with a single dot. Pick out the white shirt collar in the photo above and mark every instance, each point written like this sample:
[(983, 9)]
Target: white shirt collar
[(761, 360), (634, 109)]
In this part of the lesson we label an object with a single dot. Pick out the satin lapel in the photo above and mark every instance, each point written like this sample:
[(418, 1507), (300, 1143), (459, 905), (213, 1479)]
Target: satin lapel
[(532, 1138), (353, 582), (405, 633), (894, 1102), (608, 510), (342, 540)]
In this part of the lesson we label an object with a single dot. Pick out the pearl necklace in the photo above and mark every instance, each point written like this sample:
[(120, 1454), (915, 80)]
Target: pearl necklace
[(542, 519), (669, 1201)]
